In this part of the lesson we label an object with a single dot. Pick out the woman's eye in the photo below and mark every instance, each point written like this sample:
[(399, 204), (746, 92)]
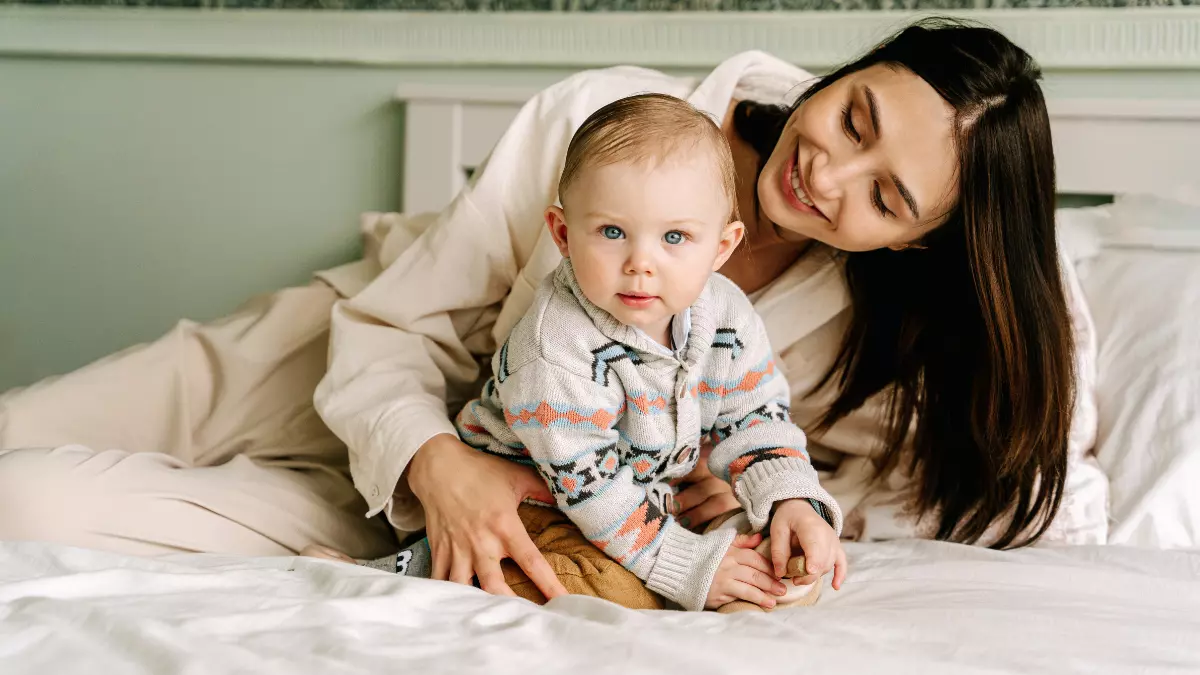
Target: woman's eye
[(673, 237), (877, 200), (848, 124), (612, 232)]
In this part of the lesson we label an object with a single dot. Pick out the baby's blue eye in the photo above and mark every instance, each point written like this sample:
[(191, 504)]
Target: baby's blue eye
[(673, 237), (613, 232)]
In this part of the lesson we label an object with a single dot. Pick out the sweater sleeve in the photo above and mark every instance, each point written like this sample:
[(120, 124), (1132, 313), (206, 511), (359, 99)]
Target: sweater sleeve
[(756, 447), (567, 424)]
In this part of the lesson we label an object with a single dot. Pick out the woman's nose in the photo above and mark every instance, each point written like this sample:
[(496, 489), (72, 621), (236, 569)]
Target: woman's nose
[(830, 174)]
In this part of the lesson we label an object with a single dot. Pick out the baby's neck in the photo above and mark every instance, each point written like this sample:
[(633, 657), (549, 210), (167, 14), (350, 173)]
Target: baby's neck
[(661, 334)]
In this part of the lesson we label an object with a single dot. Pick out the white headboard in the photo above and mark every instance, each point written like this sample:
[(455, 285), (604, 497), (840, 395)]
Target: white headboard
[(1122, 85), (1102, 146)]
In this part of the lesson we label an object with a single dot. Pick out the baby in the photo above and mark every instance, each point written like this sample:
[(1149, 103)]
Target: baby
[(632, 353)]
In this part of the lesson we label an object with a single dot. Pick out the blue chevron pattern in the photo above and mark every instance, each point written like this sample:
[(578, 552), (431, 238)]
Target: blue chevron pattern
[(726, 338), (604, 357)]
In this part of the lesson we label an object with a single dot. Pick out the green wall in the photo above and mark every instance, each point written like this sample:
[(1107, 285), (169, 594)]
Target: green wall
[(132, 194)]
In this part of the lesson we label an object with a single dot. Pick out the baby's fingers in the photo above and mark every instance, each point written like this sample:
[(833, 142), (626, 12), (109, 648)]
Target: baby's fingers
[(761, 580), (753, 559), (747, 540), (839, 569), (818, 555), (781, 546), (750, 593)]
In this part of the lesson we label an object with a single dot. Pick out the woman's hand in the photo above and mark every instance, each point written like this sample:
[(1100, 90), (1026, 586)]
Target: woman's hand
[(470, 501), (704, 496), (744, 574)]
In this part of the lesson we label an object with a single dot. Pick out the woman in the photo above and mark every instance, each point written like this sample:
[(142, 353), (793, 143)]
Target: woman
[(951, 367), (934, 360)]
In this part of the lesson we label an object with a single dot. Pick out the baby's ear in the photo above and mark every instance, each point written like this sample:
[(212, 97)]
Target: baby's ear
[(556, 221), (731, 237)]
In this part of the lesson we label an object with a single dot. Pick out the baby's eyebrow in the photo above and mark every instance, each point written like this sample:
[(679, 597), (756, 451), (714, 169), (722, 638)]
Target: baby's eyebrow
[(680, 222), (601, 215)]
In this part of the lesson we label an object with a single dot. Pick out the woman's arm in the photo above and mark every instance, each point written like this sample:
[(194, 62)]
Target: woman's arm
[(416, 335), (470, 503)]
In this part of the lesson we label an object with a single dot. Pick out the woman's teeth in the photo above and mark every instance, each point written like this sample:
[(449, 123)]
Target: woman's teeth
[(804, 199)]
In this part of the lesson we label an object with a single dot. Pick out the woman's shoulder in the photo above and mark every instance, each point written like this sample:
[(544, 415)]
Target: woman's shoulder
[(765, 78), (589, 90), (751, 74)]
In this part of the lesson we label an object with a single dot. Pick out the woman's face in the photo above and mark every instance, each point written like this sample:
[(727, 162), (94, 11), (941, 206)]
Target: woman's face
[(866, 163)]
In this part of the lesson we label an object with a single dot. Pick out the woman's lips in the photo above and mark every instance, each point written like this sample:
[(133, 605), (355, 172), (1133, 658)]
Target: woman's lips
[(789, 195)]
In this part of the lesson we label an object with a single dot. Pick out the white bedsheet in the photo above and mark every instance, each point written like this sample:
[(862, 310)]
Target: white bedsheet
[(908, 607)]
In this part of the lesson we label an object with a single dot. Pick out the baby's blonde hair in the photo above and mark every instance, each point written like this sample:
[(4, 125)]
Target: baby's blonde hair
[(647, 127)]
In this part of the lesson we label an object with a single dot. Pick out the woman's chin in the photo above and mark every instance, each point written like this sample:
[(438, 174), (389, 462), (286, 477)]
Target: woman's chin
[(791, 236), (776, 210)]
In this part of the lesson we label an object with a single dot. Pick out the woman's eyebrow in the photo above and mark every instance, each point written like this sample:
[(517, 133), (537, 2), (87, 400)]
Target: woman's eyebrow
[(873, 108), (907, 197)]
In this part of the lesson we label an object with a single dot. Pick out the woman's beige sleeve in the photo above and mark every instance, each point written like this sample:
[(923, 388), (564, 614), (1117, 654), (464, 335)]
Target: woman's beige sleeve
[(418, 334)]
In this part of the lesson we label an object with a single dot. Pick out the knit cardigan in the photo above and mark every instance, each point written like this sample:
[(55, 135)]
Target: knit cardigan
[(610, 419)]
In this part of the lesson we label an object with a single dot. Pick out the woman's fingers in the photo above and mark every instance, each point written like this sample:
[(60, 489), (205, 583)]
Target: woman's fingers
[(441, 559), (527, 484), (703, 514), (698, 493), (526, 555), (489, 573), (460, 568)]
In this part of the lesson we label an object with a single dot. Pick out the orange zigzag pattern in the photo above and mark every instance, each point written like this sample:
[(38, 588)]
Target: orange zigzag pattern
[(742, 463), (748, 383), (636, 522), (546, 415), (646, 404)]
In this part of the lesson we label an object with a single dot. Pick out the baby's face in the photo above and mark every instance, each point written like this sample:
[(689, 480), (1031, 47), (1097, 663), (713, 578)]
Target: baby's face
[(643, 238)]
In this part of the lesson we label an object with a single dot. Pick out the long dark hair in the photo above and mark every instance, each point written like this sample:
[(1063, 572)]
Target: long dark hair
[(971, 336)]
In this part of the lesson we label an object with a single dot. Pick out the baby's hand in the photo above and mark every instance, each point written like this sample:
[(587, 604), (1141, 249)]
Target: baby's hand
[(796, 523), (744, 574)]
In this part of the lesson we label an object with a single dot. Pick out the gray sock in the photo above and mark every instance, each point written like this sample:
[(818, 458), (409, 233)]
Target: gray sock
[(414, 561)]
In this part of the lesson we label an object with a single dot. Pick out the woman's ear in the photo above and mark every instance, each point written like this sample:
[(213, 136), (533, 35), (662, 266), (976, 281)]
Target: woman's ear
[(556, 221), (731, 236)]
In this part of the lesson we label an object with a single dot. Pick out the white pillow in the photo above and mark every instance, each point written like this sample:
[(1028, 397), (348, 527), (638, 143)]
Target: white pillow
[(1141, 277), (1144, 221)]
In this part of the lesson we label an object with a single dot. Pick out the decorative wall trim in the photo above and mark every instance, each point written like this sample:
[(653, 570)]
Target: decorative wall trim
[(1134, 38)]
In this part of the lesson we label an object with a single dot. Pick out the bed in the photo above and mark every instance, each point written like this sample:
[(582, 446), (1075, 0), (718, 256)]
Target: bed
[(907, 607)]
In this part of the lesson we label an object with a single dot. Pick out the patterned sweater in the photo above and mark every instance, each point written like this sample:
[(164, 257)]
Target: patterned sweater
[(610, 418)]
